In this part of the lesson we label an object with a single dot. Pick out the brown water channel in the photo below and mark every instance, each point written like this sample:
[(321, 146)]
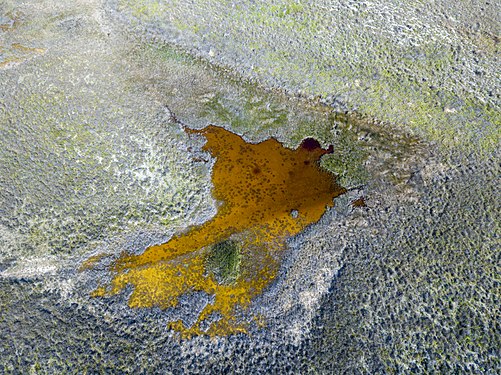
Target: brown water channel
[(267, 193)]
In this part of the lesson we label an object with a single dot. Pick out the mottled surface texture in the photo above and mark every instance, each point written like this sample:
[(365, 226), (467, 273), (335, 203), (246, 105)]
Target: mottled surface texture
[(94, 160), (432, 67)]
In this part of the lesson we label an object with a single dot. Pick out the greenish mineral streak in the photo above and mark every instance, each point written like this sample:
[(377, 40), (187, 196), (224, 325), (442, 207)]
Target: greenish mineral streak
[(400, 62)]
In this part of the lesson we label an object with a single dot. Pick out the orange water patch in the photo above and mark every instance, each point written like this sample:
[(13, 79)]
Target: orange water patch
[(267, 193)]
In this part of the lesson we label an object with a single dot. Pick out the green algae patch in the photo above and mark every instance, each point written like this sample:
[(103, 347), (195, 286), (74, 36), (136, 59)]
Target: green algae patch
[(223, 261), (348, 161), (267, 193)]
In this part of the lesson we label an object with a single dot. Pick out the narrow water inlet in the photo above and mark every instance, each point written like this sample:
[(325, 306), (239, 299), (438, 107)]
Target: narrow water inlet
[(268, 193)]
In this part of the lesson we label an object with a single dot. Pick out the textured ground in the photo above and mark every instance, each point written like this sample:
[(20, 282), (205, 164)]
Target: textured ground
[(93, 159), (432, 67)]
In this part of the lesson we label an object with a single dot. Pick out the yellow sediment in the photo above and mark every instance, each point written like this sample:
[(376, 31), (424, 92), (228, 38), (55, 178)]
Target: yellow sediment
[(92, 261), (21, 48), (259, 186), (17, 54)]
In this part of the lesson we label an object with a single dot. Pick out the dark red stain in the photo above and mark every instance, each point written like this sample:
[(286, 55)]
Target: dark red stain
[(310, 144)]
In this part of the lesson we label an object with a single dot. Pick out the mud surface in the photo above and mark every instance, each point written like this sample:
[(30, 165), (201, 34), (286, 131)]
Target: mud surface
[(401, 275), (429, 67)]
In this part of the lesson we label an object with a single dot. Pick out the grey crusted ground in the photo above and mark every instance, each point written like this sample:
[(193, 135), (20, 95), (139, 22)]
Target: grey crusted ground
[(431, 67), (92, 160), (420, 285)]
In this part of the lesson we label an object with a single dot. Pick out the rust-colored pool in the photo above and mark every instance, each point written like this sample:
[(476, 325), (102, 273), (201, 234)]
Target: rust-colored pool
[(268, 193)]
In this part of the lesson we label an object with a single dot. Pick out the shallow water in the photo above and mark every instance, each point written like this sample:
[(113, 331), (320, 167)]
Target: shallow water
[(266, 194)]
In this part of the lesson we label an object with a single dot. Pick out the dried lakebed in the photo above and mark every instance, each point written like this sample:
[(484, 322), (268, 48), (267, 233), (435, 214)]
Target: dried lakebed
[(399, 276)]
